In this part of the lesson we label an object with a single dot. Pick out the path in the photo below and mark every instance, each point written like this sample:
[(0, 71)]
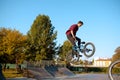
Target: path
[(82, 77), (75, 77)]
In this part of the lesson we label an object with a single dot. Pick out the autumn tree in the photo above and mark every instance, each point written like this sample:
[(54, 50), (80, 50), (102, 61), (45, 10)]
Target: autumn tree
[(12, 44), (116, 56), (41, 39), (3, 56)]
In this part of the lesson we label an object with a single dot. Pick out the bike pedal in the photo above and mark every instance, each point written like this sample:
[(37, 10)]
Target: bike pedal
[(83, 42)]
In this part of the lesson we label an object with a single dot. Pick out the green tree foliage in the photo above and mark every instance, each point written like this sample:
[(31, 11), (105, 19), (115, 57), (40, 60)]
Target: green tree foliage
[(66, 47), (41, 39), (116, 56), (11, 45)]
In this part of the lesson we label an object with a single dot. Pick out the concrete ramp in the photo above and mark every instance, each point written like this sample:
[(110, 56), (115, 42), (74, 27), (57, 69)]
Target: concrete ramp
[(49, 72), (53, 70), (56, 71), (40, 73), (66, 72)]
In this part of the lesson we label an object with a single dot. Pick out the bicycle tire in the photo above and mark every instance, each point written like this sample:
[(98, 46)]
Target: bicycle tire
[(110, 74), (70, 55), (93, 49)]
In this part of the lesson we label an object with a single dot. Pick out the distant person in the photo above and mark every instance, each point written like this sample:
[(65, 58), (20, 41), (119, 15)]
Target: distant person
[(71, 34), (1, 74)]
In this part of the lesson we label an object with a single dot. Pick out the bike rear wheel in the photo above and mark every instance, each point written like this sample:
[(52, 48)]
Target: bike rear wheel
[(114, 70), (72, 56), (89, 49)]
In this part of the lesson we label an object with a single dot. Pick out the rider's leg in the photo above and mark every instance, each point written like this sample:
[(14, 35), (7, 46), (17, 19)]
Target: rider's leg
[(71, 39), (79, 41)]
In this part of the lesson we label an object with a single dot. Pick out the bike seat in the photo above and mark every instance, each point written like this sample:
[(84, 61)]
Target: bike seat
[(83, 42)]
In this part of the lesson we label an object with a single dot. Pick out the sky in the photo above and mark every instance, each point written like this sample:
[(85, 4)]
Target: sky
[(101, 19)]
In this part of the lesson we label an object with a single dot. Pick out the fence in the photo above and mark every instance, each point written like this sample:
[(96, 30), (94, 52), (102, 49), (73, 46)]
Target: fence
[(42, 63)]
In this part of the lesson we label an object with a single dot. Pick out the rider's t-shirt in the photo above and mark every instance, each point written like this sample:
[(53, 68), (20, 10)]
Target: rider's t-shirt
[(74, 28)]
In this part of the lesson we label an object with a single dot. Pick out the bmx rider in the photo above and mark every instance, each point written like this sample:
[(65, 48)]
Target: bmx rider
[(71, 34)]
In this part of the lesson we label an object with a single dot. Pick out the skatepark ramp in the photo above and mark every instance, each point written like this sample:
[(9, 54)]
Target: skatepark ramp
[(49, 72), (66, 72), (39, 73), (58, 71)]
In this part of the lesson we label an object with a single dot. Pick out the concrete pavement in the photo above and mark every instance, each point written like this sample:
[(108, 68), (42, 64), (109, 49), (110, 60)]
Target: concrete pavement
[(20, 78), (75, 77), (82, 77)]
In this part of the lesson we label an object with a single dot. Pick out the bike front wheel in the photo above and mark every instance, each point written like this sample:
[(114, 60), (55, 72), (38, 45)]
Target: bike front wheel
[(72, 56), (114, 70), (89, 49)]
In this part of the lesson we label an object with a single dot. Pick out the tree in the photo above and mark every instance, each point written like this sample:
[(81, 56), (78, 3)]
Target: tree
[(116, 56), (66, 47), (12, 44), (41, 39)]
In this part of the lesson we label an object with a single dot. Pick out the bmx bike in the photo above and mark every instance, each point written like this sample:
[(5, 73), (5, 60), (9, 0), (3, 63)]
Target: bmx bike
[(88, 49), (114, 70)]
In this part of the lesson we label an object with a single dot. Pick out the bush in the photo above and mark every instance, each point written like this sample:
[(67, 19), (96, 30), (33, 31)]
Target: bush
[(89, 69), (116, 70)]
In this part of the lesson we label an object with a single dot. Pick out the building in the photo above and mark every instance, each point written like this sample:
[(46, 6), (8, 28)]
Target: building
[(102, 62)]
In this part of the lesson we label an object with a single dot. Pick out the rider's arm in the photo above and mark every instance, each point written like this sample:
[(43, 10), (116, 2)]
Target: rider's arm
[(73, 34)]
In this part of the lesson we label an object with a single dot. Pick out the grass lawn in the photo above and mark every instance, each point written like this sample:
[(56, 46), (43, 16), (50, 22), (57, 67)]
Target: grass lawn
[(11, 73)]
